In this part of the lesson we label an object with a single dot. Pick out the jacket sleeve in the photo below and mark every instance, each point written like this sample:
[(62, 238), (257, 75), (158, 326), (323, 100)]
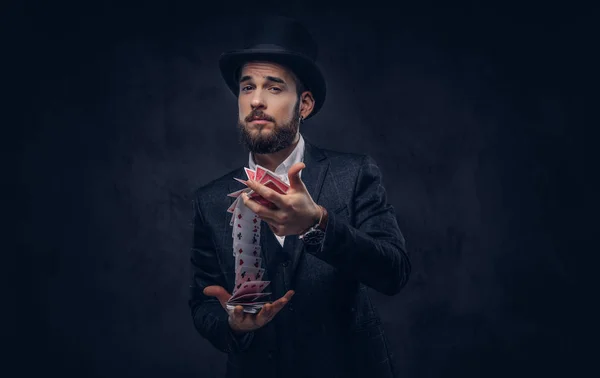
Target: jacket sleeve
[(209, 317), (373, 251)]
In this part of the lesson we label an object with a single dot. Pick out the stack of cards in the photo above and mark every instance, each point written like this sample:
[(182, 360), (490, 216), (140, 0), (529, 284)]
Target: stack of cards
[(249, 286)]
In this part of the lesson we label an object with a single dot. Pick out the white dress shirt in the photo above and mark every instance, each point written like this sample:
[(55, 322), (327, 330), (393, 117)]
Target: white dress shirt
[(296, 156)]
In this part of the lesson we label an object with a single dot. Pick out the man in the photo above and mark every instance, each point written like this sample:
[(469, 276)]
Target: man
[(328, 238)]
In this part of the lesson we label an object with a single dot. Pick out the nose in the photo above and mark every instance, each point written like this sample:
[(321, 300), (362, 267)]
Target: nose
[(257, 100)]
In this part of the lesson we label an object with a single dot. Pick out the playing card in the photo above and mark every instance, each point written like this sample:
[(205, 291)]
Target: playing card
[(277, 187), (243, 213), (251, 298), (247, 262), (245, 249), (263, 201), (269, 184), (249, 273), (248, 304), (252, 287), (260, 172), (251, 309), (246, 233), (233, 205), (244, 226), (279, 183), (250, 173)]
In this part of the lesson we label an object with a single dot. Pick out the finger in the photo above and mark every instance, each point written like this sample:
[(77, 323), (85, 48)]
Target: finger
[(262, 211), (294, 176), (236, 315), (267, 193), (265, 315), (289, 295), (217, 291), (281, 302), (274, 218)]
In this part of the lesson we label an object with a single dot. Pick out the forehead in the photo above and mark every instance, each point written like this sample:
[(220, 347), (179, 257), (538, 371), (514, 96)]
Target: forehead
[(260, 69)]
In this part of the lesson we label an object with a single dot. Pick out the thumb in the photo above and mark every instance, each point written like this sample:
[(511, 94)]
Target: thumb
[(294, 176), (217, 291)]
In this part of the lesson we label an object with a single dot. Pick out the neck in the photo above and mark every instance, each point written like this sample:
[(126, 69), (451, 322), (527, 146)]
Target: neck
[(272, 161)]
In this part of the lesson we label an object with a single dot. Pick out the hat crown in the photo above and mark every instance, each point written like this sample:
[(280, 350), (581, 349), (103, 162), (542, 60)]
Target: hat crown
[(278, 32)]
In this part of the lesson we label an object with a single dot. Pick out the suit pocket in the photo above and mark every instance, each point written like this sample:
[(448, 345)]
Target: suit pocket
[(370, 350)]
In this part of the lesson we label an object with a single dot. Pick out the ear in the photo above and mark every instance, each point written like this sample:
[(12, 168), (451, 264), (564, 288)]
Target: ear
[(307, 103)]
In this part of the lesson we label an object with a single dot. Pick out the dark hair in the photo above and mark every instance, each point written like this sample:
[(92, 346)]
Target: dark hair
[(300, 87)]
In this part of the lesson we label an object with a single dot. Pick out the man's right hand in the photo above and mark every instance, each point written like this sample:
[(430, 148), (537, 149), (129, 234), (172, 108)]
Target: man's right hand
[(242, 322)]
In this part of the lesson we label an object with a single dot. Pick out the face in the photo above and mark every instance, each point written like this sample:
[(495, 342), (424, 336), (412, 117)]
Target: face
[(269, 108)]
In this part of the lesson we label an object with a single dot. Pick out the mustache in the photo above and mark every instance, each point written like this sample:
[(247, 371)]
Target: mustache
[(258, 115)]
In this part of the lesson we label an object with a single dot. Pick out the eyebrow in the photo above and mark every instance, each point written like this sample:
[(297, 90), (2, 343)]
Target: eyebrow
[(269, 78)]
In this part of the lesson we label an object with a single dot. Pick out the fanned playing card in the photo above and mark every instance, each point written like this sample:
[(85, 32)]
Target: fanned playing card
[(250, 287), (271, 181), (247, 261), (245, 231), (245, 249)]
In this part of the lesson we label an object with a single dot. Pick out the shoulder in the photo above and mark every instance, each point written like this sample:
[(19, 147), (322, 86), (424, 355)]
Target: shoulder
[(346, 162)]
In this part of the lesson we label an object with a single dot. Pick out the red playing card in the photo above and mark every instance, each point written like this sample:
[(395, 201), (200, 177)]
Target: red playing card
[(250, 173), (260, 171), (277, 182), (279, 187), (260, 199)]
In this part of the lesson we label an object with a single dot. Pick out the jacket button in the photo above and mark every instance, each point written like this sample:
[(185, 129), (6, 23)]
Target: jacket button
[(285, 264)]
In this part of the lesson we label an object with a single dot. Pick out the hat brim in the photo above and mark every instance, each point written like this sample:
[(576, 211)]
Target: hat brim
[(303, 67)]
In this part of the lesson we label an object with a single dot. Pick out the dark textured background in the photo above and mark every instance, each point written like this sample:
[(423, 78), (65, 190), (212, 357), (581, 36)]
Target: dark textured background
[(471, 113)]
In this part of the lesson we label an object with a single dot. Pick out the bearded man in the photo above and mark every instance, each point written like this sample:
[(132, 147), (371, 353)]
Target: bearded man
[(324, 242)]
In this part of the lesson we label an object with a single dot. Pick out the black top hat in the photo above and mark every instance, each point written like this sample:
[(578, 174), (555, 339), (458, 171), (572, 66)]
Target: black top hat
[(280, 40)]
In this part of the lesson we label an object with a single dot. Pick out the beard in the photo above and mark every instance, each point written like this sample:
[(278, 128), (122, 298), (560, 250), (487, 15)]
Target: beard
[(280, 137)]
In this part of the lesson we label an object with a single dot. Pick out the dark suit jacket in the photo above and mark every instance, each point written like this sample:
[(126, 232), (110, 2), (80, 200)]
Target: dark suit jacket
[(330, 327)]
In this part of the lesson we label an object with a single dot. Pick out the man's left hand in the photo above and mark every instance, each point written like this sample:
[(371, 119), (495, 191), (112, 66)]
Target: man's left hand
[(295, 211)]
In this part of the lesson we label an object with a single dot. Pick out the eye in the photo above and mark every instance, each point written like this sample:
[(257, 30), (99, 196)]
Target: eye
[(276, 89), (245, 88)]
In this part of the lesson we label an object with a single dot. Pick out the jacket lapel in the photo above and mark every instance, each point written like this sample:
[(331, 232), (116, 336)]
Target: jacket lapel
[(313, 175)]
